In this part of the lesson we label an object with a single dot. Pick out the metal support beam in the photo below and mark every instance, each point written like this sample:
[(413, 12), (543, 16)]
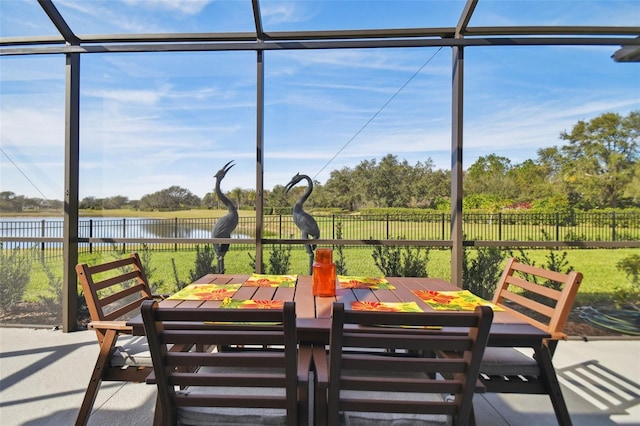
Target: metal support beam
[(257, 18), (465, 17), (59, 22), (71, 185), (314, 45), (457, 249), (259, 159)]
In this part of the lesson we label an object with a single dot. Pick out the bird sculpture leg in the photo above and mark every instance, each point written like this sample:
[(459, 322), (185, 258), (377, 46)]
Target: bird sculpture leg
[(309, 248), (310, 252), (221, 264)]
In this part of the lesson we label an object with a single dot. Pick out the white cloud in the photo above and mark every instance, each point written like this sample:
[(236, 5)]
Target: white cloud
[(32, 128), (284, 12), (187, 7), (147, 97)]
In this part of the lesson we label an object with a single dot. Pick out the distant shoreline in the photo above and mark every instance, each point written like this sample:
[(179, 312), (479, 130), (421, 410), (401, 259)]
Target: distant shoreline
[(87, 213)]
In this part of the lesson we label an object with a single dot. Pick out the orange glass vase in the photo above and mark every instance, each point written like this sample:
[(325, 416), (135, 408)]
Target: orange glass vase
[(324, 273)]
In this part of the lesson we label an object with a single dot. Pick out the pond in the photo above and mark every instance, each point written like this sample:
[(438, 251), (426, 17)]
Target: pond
[(118, 227)]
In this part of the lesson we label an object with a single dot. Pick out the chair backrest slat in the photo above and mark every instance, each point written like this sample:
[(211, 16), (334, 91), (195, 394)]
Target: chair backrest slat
[(412, 342), (113, 281), (543, 297), (358, 361), (534, 287), (114, 290), (525, 302), (223, 378)]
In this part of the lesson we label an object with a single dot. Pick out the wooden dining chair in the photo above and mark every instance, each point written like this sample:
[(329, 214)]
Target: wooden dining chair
[(248, 386), (114, 292), (361, 383), (544, 299)]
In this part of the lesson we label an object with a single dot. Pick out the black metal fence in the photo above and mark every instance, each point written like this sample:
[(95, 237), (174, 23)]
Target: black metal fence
[(96, 234)]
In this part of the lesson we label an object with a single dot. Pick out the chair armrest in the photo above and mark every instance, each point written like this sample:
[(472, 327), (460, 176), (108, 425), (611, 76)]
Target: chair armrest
[(305, 354), (111, 325), (558, 336), (321, 366), (160, 296)]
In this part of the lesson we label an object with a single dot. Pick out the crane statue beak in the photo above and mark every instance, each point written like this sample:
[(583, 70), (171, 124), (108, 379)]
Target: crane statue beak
[(223, 171), (292, 182)]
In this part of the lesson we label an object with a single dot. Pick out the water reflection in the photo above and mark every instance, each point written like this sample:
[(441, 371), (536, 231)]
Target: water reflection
[(20, 227)]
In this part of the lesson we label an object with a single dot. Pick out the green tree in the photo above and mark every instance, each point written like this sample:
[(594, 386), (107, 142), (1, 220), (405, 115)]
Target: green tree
[(632, 190), (429, 186), (489, 176), (339, 190), (276, 197), (90, 203), (116, 202), (250, 196), (601, 157), (236, 194), (171, 198), (531, 180), (390, 181), (10, 202), (209, 201)]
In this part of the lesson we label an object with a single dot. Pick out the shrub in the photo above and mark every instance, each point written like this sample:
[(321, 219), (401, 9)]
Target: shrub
[(481, 274), (252, 263), (15, 271), (630, 265), (629, 296), (149, 272), (53, 300), (176, 277), (341, 264), (203, 263), (279, 260), (392, 262)]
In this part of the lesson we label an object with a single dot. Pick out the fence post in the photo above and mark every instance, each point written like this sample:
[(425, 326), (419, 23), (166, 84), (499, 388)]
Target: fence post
[(387, 226), (499, 226), (333, 226), (613, 226), (90, 235), (443, 219), (43, 233), (175, 233), (124, 234), (557, 226)]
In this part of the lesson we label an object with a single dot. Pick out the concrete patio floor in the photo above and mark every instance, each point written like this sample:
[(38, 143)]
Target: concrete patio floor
[(43, 375)]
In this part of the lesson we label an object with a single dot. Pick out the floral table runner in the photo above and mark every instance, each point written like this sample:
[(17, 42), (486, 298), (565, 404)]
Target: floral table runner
[(206, 292), (373, 283), (386, 306), (462, 300), (261, 280), (392, 307), (230, 303)]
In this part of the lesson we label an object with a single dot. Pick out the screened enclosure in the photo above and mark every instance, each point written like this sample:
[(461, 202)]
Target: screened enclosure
[(104, 98)]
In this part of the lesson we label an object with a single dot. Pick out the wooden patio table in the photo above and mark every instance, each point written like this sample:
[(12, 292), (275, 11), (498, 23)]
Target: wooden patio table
[(314, 313), (314, 316)]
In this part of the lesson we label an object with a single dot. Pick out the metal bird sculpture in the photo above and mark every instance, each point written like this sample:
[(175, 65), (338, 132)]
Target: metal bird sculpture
[(227, 223), (303, 220)]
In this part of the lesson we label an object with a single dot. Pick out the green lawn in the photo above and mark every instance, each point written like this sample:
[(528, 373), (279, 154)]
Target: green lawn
[(601, 277)]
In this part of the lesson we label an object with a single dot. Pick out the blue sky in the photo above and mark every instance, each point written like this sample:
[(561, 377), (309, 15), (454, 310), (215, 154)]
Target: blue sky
[(149, 121)]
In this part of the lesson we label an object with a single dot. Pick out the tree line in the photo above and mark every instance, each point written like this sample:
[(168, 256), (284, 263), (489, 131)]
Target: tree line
[(597, 167)]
